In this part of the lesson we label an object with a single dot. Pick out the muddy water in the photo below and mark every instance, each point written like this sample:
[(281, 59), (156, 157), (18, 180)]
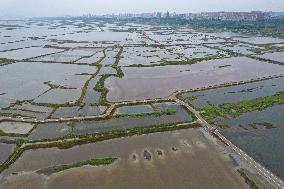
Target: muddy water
[(167, 160), (153, 82)]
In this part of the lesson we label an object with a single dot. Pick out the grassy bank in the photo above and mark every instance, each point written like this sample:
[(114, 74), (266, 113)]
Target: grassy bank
[(93, 162), (183, 62), (4, 61), (156, 114), (100, 86), (235, 109), (249, 182)]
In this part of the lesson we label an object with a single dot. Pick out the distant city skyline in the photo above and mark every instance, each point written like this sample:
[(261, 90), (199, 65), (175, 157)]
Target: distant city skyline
[(41, 8)]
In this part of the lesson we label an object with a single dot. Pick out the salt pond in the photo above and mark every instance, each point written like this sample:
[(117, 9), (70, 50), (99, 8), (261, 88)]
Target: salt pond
[(5, 151), (16, 127), (135, 109), (67, 56), (27, 53), (49, 131), (276, 56), (161, 81), (87, 127), (259, 40), (234, 94), (26, 80)]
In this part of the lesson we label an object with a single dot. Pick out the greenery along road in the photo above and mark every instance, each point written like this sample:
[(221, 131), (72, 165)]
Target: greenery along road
[(210, 112)]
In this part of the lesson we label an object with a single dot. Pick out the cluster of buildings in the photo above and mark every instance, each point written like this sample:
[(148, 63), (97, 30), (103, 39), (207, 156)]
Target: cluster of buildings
[(235, 16)]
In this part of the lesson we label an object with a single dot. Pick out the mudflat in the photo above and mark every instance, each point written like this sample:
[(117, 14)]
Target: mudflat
[(166, 160)]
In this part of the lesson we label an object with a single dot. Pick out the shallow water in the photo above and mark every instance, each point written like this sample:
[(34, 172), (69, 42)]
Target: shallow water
[(136, 109), (260, 40), (92, 96), (59, 96), (242, 48), (184, 152), (277, 56), (49, 131), (25, 80), (94, 36), (145, 55), (171, 169), (154, 82), (110, 57), (15, 127), (66, 112), (5, 151), (264, 145), (234, 94), (67, 56), (27, 53), (169, 37), (91, 60), (87, 127), (195, 51), (25, 113), (25, 43)]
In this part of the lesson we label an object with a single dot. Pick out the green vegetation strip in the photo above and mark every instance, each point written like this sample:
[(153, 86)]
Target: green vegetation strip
[(100, 86), (156, 114), (236, 109), (86, 85), (250, 182), (184, 62), (4, 61), (93, 162)]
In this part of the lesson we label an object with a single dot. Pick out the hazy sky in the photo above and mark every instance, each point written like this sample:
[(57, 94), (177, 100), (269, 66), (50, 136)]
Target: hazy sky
[(31, 8)]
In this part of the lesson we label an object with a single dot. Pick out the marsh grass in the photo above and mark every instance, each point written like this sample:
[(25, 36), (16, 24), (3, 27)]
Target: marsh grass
[(92, 162)]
